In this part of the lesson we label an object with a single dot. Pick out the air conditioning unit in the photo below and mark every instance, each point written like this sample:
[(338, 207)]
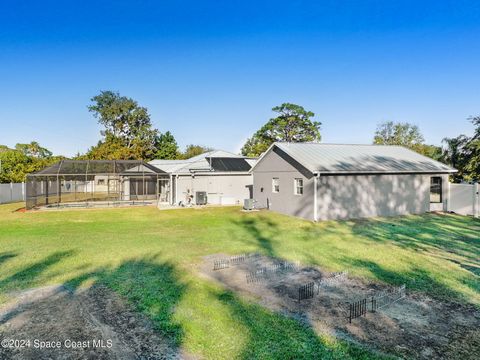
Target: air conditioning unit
[(201, 198), (248, 204)]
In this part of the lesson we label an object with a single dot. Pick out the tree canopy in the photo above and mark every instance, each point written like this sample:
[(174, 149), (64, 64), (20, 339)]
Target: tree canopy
[(194, 150), (404, 134), (407, 135), (166, 147), (33, 149), (18, 162), (463, 153), (292, 124), (128, 132)]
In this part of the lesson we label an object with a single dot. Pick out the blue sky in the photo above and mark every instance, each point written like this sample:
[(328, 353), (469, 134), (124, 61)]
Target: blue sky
[(211, 71)]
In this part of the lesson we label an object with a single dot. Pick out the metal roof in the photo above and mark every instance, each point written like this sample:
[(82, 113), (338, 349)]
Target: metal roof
[(343, 158), (199, 163), (83, 167)]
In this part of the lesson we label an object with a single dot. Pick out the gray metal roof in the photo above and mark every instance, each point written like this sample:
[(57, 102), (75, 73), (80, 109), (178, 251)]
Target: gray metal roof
[(341, 158)]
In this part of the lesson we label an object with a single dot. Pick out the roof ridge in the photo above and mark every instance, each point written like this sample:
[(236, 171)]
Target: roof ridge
[(343, 144)]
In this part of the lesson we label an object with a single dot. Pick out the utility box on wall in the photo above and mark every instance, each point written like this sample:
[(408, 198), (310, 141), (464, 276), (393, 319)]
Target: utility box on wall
[(201, 198)]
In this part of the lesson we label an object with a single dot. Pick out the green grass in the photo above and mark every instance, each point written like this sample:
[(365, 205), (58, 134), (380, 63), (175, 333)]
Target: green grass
[(149, 256)]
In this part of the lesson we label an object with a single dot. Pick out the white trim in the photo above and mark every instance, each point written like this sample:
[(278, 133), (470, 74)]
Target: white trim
[(261, 157), (295, 186), (273, 185)]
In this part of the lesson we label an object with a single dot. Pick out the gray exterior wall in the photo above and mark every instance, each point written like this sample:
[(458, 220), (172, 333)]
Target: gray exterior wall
[(275, 164), (342, 196), (361, 196), (221, 189)]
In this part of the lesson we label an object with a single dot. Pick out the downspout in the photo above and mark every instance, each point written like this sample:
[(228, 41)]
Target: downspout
[(176, 188), (170, 193), (315, 197)]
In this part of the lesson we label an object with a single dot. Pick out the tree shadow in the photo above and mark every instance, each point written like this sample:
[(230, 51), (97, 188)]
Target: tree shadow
[(152, 287), (453, 234), (26, 277), (415, 279), (6, 256), (262, 230), (132, 303), (276, 336)]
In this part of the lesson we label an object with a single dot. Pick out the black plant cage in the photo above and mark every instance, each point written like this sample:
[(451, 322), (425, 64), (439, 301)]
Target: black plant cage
[(85, 182)]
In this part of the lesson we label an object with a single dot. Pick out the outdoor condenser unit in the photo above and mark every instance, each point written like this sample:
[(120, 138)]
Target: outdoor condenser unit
[(201, 197), (248, 204)]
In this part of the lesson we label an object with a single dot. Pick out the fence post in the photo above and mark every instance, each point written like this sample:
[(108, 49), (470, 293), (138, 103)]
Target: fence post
[(11, 191), (23, 191), (476, 204)]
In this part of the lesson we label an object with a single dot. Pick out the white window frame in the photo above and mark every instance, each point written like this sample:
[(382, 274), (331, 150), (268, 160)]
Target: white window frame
[(275, 183), (296, 186)]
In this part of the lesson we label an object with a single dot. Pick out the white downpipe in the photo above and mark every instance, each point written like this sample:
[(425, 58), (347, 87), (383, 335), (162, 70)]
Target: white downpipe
[(170, 193), (176, 189), (315, 198)]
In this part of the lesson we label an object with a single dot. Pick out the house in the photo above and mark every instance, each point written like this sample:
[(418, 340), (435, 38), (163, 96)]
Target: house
[(334, 181), (224, 178)]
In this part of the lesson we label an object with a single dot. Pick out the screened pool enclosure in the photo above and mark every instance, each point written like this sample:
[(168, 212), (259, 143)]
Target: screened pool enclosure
[(80, 183)]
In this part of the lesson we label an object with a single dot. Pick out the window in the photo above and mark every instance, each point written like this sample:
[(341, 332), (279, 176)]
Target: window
[(298, 186), (101, 182), (275, 185), (435, 189)]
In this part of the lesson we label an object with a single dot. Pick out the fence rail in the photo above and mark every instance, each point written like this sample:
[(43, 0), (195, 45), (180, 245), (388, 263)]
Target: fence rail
[(233, 261), (12, 192), (265, 272)]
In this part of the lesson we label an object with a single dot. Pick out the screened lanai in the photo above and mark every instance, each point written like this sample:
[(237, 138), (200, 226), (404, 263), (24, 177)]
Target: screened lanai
[(79, 183)]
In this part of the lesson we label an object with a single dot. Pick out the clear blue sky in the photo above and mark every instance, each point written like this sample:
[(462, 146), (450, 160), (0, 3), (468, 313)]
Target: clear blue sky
[(210, 71)]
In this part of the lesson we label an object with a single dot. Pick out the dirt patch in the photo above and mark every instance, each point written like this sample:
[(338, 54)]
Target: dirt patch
[(414, 327), (95, 315)]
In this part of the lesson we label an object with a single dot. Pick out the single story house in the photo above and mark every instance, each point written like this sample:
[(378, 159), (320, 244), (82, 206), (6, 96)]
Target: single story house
[(335, 181), (222, 176)]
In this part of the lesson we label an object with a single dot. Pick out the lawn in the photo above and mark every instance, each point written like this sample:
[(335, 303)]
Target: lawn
[(150, 257)]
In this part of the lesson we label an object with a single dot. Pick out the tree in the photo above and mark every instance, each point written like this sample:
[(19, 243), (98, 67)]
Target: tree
[(404, 134), (166, 147), (454, 154), (473, 152), (4, 148), (33, 149), (463, 153), (126, 125), (16, 165), (194, 150), (111, 148), (293, 124)]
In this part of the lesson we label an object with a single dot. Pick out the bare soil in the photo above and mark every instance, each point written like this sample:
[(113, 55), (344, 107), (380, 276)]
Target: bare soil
[(57, 314), (414, 327)]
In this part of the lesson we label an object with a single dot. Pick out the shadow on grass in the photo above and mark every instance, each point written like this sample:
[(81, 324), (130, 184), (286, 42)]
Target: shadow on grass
[(26, 277), (6, 256), (455, 234), (152, 287), (275, 336), (415, 279), (257, 228)]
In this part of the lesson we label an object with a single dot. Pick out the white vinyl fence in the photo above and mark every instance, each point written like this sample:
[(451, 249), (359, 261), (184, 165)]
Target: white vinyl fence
[(464, 199), (12, 192)]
